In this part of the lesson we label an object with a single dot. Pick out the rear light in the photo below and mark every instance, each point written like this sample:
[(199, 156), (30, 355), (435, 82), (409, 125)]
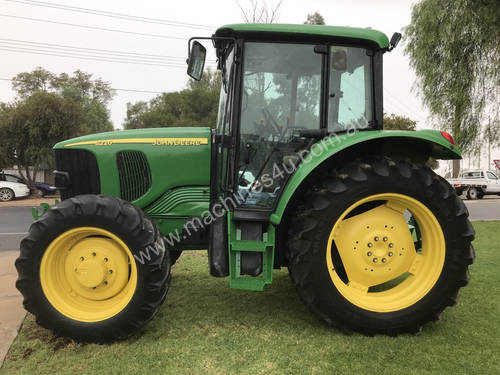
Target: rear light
[(448, 137)]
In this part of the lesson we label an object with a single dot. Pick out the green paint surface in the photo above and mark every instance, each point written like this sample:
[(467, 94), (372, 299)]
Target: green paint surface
[(439, 148), (371, 35)]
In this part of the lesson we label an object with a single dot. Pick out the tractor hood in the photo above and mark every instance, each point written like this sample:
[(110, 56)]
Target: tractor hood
[(152, 137), (138, 165)]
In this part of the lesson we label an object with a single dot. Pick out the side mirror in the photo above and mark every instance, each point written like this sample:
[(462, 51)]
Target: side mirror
[(196, 60), (396, 37)]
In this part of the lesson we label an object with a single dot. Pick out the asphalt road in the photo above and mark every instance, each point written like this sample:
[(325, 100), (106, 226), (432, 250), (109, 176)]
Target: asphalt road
[(15, 221), (487, 208), (14, 224)]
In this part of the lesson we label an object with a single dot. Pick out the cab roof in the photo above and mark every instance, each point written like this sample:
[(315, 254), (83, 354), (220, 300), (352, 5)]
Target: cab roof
[(335, 32)]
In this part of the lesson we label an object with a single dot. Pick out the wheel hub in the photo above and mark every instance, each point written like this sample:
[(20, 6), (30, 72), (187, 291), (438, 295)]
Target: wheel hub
[(379, 248), (96, 268), (91, 273), (375, 246)]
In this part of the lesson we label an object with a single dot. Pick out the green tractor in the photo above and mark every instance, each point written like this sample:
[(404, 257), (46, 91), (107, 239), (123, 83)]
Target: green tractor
[(297, 173)]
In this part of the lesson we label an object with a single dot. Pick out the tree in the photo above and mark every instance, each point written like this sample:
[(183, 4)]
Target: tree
[(28, 83), (5, 112), (454, 47), (93, 95), (491, 135), (260, 11), (397, 122), (32, 125), (315, 19), (195, 106)]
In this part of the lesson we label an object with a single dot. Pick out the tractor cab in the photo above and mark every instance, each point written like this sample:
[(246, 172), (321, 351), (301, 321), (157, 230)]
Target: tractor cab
[(283, 88)]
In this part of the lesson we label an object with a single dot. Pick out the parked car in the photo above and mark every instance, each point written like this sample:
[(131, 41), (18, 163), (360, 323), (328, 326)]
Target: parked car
[(476, 183), (11, 187), (42, 188)]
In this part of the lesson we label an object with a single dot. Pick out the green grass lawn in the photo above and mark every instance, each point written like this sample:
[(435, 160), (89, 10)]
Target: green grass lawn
[(205, 327)]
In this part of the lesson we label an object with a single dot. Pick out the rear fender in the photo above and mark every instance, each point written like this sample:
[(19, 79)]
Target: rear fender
[(416, 145)]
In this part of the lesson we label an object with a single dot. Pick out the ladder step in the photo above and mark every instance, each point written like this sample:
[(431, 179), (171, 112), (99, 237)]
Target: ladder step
[(248, 245)]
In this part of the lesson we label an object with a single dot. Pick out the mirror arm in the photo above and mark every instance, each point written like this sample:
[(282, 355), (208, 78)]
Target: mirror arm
[(212, 38)]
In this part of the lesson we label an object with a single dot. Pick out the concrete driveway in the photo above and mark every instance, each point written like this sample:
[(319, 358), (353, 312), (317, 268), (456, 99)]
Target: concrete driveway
[(12, 312)]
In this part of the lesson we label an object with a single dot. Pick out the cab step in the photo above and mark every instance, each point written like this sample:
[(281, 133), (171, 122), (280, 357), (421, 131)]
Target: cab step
[(251, 254)]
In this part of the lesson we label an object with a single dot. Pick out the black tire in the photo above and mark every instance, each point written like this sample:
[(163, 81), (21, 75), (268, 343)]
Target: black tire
[(327, 196), (131, 226), (6, 195), (472, 194), (480, 195)]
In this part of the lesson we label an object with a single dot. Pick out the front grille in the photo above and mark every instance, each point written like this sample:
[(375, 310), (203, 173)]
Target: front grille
[(134, 174), (83, 172)]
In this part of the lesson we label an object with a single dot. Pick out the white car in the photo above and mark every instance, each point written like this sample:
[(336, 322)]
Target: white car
[(476, 183), (11, 188)]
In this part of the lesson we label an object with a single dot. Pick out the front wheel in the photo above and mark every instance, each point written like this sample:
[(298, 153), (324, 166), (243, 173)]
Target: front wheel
[(379, 246), (93, 268)]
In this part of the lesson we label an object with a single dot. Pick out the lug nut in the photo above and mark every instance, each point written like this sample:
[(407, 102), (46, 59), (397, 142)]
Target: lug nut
[(106, 259), (391, 245), (82, 259), (370, 244), (385, 239), (375, 260), (110, 271), (376, 238), (93, 254), (384, 260), (390, 253), (105, 282), (369, 253)]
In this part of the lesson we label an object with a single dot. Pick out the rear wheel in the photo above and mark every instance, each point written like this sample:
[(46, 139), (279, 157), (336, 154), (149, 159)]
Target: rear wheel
[(472, 194), (93, 268), (6, 195), (380, 246)]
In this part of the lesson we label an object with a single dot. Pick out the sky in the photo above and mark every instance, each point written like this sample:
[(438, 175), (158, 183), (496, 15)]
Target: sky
[(385, 15), (198, 18)]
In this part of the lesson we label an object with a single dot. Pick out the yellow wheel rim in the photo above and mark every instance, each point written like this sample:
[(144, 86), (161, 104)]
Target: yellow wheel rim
[(88, 274), (384, 270)]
